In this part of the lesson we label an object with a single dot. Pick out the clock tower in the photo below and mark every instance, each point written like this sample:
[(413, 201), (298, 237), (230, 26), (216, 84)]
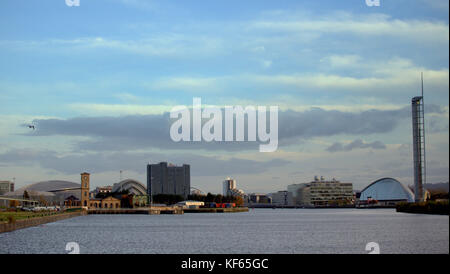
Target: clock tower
[(85, 189)]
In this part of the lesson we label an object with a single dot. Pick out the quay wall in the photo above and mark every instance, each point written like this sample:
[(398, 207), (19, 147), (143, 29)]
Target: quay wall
[(216, 210), (35, 221)]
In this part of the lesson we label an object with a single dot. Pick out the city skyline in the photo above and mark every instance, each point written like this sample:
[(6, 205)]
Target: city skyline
[(98, 89)]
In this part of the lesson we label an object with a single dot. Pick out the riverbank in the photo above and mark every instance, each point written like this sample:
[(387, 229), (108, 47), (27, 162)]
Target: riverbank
[(14, 224), (430, 207), (216, 210), (166, 210), (142, 210)]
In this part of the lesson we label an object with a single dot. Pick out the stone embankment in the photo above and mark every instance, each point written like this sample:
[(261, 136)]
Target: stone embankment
[(35, 221)]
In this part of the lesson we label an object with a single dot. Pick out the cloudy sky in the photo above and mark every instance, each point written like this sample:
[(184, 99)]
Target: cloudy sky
[(98, 81)]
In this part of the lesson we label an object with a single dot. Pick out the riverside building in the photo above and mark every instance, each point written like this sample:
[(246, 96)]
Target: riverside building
[(282, 198), (321, 192), (166, 178), (6, 186), (230, 189)]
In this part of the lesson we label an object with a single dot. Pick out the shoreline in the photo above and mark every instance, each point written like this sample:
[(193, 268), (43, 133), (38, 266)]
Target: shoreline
[(429, 207), (36, 221)]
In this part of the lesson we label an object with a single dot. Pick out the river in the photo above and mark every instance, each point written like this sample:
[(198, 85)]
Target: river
[(277, 231)]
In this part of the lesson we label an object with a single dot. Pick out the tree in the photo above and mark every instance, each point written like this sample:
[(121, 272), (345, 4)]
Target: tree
[(196, 197), (13, 203), (218, 198), (210, 197), (239, 201), (26, 195), (168, 199), (42, 201)]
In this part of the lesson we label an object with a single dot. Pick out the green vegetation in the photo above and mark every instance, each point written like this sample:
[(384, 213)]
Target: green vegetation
[(74, 209), (429, 207), (12, 216), (435, 195), (168, 199), (11, 219)]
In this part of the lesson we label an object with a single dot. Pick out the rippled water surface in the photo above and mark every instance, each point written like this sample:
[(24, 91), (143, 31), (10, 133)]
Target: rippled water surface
[(257, 231)]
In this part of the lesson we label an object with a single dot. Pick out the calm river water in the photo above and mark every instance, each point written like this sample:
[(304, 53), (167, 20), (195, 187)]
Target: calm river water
[(257, 231)]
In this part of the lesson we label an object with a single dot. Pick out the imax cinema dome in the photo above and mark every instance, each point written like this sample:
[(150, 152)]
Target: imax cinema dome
[(53, 190), (387, 189)]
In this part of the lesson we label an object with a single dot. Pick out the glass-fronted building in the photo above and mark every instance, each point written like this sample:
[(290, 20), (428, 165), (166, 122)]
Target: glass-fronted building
[(385, 192)]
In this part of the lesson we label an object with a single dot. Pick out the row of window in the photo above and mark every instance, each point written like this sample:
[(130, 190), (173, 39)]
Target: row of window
[(105, 205)]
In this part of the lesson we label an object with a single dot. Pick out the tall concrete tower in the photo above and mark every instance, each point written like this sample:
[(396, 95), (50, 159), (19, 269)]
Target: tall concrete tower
[(418, 126), (85, 189)]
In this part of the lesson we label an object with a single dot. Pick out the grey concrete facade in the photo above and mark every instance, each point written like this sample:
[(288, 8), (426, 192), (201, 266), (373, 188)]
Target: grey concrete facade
[(168, 179)]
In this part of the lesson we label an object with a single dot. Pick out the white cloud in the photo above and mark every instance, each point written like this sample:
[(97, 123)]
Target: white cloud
[(164, 45), (266, 64), (399, 80), (118, 109), (377, 24), (342, 60), (186, 83)]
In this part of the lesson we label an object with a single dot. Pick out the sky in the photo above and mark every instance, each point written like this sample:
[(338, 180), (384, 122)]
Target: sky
[(98, 81)]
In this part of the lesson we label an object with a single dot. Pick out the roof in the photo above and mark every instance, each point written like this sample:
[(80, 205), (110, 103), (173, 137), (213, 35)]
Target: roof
[(45, 188), (49, 185), (387, 189), (133, 186)]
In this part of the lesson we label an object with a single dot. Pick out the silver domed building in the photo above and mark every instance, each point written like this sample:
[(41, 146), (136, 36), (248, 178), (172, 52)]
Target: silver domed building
[(130, 185), (385, 192), (52, 191)]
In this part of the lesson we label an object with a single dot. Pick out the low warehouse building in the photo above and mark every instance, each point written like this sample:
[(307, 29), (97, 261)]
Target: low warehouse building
[(190, 204)]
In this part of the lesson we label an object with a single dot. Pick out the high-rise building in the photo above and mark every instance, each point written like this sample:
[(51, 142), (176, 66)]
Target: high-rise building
[(166, 178), (230, 189), (228, 185), (6, 186)]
